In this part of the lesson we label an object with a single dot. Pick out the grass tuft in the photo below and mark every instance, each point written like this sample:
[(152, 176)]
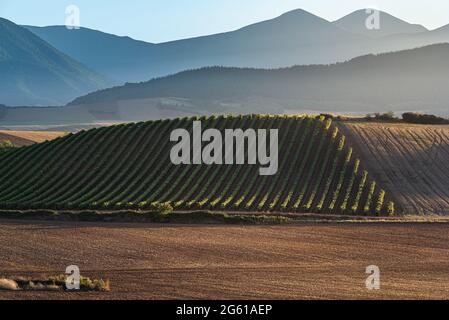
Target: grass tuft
[(54, 283), (8, 285)]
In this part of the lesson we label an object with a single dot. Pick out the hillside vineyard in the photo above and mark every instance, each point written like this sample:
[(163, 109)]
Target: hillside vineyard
[(128, 167), (219, 150)]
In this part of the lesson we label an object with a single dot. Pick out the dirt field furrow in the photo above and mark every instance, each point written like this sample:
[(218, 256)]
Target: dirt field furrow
[(382, 168), (410, 161), (434, 158), (436, 152), (415, 158), (145, 261), (404, 169)]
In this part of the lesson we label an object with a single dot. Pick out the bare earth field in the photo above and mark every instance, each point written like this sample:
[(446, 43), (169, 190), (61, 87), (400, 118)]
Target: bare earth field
[(309, 261), (25, 138), (410, 161)]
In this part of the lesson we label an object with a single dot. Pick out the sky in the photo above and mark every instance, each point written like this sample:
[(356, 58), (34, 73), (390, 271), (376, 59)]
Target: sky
[(165, 20)]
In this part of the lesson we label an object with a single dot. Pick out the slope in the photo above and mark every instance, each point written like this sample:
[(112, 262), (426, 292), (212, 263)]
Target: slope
[(34, 73), (413, 80), (26, 138), (296, 37), (119, 58), (411, 162), (128, 166)]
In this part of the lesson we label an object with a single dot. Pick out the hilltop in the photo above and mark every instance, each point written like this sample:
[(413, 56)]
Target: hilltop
[(388, 25)]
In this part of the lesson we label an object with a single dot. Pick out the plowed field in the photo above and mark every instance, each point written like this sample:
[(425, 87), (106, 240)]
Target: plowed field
[(410, 161)]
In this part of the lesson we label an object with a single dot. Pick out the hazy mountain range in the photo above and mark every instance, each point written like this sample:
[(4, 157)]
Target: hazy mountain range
[(295, 38), (407, 80), (32, 72), (411, 80), (73, 63)]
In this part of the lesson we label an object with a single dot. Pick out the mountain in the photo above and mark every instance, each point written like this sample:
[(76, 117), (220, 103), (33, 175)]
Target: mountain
[(442, 31), (296, 37), (32, 72), (118, 58), (438, 35), (356, 22), (407, 80)]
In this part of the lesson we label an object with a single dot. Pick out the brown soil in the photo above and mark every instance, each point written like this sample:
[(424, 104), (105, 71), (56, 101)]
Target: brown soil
[(409, 161), (25, 138), (146, 261)]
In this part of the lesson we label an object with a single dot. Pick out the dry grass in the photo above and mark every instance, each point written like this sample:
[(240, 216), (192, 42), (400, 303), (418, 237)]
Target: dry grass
[(54, 283), (9, 285), (25, 138)]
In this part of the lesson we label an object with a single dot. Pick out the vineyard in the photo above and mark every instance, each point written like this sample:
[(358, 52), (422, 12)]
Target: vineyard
[(128, 167)]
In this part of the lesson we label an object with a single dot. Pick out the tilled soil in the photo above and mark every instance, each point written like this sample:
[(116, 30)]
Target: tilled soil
[(410, 161), (310, 261)]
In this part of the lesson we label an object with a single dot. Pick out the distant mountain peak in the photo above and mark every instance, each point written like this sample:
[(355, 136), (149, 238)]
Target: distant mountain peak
[(298, 12), (297, 24), (355, 22), (302, 15)]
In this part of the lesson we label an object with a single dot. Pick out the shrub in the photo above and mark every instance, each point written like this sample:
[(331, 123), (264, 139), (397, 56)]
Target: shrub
[(6, 145), (380, 202), (386, 116), (106, 205), (369, 199), (164, 208), (143, 205), (391, 209), (130, 205), (54, 283), (327, 116), (86, 284), (419, 118)]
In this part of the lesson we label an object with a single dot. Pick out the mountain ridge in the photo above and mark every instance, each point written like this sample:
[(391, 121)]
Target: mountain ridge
[(34, 72), (296, 37), (406, 77), (355, 22)]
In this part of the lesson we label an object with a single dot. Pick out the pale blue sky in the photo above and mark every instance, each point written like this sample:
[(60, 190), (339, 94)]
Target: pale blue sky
[(164, 20)]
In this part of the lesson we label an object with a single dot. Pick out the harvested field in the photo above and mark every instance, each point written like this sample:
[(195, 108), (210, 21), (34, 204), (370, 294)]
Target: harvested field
[(26, 138), (231, 262), (410, 161)]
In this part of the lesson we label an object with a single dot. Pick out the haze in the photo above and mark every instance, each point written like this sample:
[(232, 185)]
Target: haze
[(160, 21)]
